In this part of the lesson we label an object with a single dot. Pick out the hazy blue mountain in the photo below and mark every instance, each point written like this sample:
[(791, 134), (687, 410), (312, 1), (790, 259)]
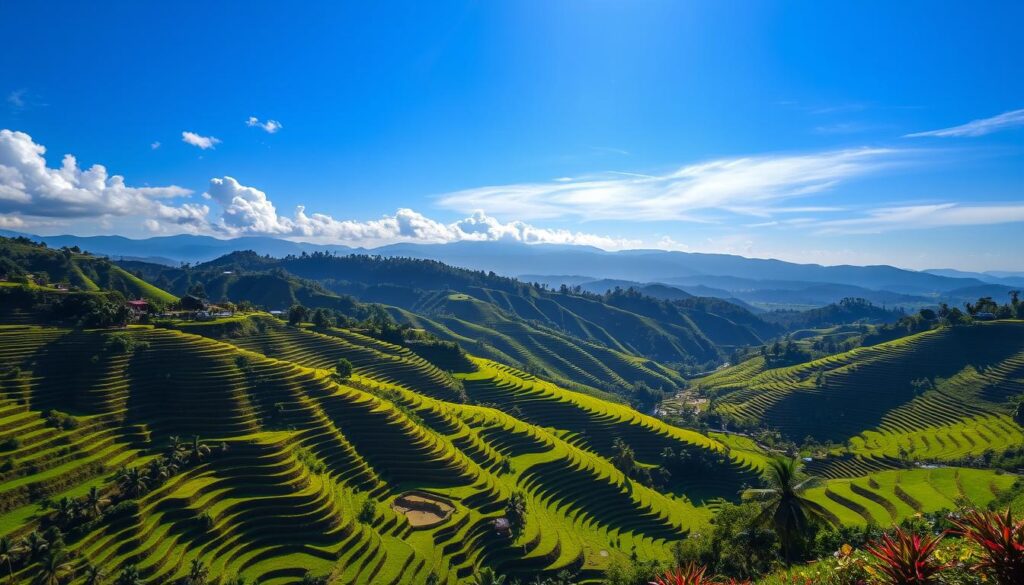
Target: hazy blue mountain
[(994, 277), (674, 268)]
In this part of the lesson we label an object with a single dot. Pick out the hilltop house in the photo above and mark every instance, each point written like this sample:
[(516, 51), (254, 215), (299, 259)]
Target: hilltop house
[(138, 307)]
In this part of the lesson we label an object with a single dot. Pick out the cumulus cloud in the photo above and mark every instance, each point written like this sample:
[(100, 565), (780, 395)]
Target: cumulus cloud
[(249, 211), (737, 185), (31, 188), (925, 216), (154, 145), (202, 142), (270, 126), (977, 127)]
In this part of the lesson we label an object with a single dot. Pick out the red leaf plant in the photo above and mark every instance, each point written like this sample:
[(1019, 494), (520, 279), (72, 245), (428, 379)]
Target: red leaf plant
[(905, 558), (691, 574), (1001, 541)]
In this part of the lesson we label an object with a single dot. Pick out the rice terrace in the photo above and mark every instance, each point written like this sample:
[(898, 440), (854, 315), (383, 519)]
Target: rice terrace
[(511, 293)]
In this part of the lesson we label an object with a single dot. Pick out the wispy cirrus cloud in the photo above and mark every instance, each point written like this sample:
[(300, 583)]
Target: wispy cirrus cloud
[(932, 215), (201, 142), (975, 128), (738, 185)]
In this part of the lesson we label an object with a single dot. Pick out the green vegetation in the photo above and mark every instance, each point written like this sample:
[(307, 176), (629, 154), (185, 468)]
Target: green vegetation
[(253, 448), (946, 394)]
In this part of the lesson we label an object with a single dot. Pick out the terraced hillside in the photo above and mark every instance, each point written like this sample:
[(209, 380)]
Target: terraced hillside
[(585, 365), (885, 498), (942, 395), (295, 470)]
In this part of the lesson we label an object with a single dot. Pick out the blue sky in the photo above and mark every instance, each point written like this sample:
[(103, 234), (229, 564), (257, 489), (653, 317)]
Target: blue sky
[(867, 132)]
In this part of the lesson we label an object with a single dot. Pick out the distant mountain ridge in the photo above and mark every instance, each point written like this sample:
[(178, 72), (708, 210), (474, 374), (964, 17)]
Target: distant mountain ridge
[(680, 269)]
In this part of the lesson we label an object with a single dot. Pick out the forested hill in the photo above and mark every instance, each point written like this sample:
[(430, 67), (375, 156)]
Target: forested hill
[(22, 260), (693, 331), (849, 310)]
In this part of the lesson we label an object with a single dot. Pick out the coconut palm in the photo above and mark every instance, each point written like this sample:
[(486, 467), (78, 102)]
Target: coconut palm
[(10, 552), (54, 568), (94, 502), (34, 546), (92, 575), (786, 510), (133, 482), (198, 451), (65, 510)]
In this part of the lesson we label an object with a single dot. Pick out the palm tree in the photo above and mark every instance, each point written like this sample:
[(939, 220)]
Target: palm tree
[(9, 553), (197, 573), (54, 568), (129, 576), (34, 545), (487, 576), (785, 509), (198, 452), (94, 502), (65, 510), (133, 482), (92, 575)]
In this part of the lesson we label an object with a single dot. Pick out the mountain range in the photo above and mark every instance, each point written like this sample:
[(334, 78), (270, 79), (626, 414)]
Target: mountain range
[(760, 283)]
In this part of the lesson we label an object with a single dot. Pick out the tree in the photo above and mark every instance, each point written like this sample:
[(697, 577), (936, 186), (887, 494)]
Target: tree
[(34, 545), (322, 318), (343, 369), (297, 314), (623, 457), (487, 576), (133, 482), (129, 576), (54, 568), (9, 553), (785, 509), (92, 575), (198, 451), (197, 573), (515, 511)]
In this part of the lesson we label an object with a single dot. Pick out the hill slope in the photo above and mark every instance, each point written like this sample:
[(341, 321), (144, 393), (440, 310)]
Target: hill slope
[(944, 394)]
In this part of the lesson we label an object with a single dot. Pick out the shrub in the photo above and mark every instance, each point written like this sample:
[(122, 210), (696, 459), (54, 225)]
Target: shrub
[(691, 574), (905, 558), (1001, 540), (343, 369), (367, 511), (309, 578)]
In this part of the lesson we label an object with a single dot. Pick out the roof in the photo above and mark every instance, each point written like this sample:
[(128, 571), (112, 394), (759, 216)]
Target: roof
[(139, 303)]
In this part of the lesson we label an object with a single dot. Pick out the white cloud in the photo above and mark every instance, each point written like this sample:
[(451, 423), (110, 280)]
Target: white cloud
[(270, 126), (202, 142), (736, 185), (248, 211), (30, 188), (11, 222), (977, 127), (925, 216), (155, 145)]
